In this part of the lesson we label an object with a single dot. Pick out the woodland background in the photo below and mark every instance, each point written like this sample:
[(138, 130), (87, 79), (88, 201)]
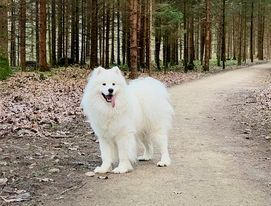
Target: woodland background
[(139, 35)]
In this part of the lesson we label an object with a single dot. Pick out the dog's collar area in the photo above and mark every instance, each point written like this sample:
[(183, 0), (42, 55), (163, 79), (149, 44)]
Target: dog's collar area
[(108, 97)]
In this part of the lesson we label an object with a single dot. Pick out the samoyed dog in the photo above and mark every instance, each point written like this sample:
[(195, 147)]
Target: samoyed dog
[(122, 115)]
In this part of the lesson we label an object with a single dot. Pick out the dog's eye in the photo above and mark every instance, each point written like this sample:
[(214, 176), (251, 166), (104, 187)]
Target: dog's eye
[(113, 84), (104, 84)]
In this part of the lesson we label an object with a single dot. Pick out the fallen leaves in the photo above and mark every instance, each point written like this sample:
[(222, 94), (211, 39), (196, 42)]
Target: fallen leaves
[(264, 97), (29, 104)]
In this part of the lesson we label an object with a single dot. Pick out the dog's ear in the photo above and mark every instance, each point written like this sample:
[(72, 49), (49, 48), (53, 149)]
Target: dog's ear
[(117, 70), (97, 71)]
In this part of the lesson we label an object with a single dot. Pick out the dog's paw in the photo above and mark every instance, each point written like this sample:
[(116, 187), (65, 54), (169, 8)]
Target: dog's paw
[(163, 163), (101, 170), (143, 158), (122, 169)]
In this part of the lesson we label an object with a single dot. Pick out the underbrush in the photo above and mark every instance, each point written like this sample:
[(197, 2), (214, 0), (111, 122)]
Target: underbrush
[(5, 70)]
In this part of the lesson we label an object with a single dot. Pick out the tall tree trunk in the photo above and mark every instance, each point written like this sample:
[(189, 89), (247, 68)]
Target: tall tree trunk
[(89, 8), (124, 33), (59, 29), (67, 26), (219, 42), (202, 40), (223, 55), (261, 19), (157, 42), (4, 30), (185, 38), (94, 35), (12, 35), (133, 38), (208, 36), (128, 46), (244, 56), (240, 32), (113, 34), (181, 49), (100, 44), (234, 42), (107, 35), (77, 31), (251, 31), (83, 36), (103, 34), (37, 31), (148, 35), (191, 42), (229, 42), (22, 34), (142, 34), (118, 32), (53, 32), (197, 38), (49, 33), (42, 61)]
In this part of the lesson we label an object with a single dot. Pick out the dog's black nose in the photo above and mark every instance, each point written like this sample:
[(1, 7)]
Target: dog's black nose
[(110, 90)]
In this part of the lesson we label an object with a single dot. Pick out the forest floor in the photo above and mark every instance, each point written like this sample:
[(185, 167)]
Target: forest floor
[(220, 143)]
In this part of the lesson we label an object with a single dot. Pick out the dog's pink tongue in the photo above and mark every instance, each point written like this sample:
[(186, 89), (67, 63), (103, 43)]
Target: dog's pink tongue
[(113, 101)]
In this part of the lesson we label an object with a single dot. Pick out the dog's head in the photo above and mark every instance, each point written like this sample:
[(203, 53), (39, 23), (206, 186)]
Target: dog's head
[(107, 83)]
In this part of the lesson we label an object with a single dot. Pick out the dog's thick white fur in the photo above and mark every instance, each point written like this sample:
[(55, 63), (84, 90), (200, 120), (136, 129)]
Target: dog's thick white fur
[(123, 114)]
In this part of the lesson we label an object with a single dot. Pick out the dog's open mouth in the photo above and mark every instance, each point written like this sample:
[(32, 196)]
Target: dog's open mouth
[(110, 99)]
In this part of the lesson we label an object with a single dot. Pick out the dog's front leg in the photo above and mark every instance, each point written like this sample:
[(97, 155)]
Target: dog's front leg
[(106, 154), (126, 146)]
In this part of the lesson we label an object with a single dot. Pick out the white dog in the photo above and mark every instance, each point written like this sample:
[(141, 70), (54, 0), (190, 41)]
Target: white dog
[(121, 113)]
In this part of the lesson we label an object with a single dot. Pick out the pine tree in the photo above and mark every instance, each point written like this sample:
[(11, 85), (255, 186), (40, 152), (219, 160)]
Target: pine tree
[(42, 50)]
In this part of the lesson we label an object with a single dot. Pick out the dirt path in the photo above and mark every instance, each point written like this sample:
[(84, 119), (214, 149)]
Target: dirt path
[(211, 166)]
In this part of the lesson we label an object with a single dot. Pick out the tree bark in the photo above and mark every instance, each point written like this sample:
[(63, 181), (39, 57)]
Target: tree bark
[(191, 42), (148, 36), (42, 50), (77, 4), (251, 31), (4, 30), (202, 40), (133, 38), (157, 42), (59, 29), (22, 34), (261, 17), (107, 35), (240, 32), (83, 35), (185, 38), (208, 36), (118, 32), (142, 34), (88, 25), (94, 35), (53, 32), (113, 35), (12, 34), (37, 31), (244, 53), (223, 56)]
